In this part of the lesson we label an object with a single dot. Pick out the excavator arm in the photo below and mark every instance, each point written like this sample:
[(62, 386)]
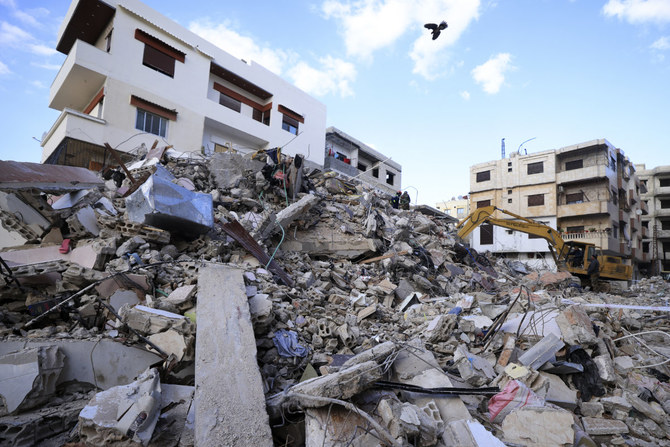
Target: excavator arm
[(522, 224)]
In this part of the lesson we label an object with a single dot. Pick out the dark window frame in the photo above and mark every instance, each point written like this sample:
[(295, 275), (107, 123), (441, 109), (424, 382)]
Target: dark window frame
[(575, 197), (536, 200), (230, 102), (483, 203), (483, 176), (486, 234), (390, 176), (574, 164), (535, 168), (151, 123)]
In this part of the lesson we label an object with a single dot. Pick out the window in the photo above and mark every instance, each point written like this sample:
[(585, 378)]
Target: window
[(290, 120), (486, 234), (536, 200), (230, 102), (509, 166), (262, 116), (289, 125), (361, 166), (645, 224), (483, 203), (509, 200), (645, 247), (151, 117), (575, 229), (665, 204), (460, 211), (612, 163), (535, 168), (574, 164), (390, 176), (483, 176), (664, 182), (151, 123), (509, 192), (158, 55), (375, 172), (615, 231), (665, 225), (108, 40), (577, 197), (666, 247)]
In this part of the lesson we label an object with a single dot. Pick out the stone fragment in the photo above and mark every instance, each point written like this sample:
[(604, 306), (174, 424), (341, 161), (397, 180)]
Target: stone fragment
[(605, 368), (181, 295), (128, 412), (541, 352), (467, 433), (544, 426), (172, 342), (600, 426), (591, 409), (576, 326), (28, 377), (473, 369)]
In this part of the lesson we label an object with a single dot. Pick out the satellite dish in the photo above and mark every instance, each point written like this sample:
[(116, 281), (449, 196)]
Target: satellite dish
[(460, 197)]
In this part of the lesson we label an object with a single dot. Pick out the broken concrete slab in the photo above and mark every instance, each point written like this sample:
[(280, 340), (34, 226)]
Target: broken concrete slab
[(127, 412), (544, 426), (468, 433), (285, 217), (600, 426), (229, 400), (541, 352), (28, 377), (576, 326), (18, 176), (325, 241), (104, 363)]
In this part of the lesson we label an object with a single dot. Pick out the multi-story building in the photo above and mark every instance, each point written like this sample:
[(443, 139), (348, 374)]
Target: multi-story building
[(458, 207), (346, 155), (133, 76), (587, 191), (655, 196)]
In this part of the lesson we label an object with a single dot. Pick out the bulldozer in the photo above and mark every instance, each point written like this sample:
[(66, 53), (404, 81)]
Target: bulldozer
[(571, 256)]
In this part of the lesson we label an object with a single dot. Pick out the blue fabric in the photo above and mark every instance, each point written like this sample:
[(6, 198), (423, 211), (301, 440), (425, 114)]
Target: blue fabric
[(287, 344)]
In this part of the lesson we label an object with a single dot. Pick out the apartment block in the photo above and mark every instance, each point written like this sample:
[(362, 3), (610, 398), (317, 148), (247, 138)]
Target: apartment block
[(133, 76), (587, 191), (655, 197), (524, 185), (458, 207), (349, 156)]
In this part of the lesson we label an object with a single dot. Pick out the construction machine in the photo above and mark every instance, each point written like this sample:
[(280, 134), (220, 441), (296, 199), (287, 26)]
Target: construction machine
[(572, 256)]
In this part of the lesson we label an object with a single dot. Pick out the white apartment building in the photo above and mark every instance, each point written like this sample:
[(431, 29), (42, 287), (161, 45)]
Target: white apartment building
[(349, 156), (133, 76)]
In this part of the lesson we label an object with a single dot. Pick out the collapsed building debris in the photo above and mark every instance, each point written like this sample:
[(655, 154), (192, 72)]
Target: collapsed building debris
[(240, 300)]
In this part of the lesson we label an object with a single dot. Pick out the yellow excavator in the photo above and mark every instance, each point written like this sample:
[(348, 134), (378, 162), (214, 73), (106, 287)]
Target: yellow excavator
[(572, 256)]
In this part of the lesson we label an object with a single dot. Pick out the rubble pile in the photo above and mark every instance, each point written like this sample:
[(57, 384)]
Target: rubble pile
[(239, 300)]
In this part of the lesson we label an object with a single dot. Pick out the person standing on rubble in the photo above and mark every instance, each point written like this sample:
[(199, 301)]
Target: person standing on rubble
[(404, 201), (594, 272), (395, 201)]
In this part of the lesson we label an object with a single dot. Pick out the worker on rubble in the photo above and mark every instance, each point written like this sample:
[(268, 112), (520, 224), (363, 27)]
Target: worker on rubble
[(395, 201), (404, 201), (594, 272)]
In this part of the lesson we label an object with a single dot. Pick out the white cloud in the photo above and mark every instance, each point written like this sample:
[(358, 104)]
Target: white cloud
[(465, 95), (368, 26), (4, 69), (46, 66), (38, 84), (8, 3), (42, 50), (335, 76), (13, 35), (638, 11), (661, 44), (240, 46), (491, 74)]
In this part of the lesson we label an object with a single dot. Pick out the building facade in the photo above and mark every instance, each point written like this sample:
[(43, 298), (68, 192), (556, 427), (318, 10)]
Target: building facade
[(456, 207), (587, 191), (132, 76), (655, 196), (346, 155)]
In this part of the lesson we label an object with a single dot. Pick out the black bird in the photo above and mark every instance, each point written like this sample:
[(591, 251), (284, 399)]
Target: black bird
[(436, 28)]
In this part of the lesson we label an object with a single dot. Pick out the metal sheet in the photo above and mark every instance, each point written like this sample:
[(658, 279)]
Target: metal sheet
[(161, 203), (235, 230), (15, 175)]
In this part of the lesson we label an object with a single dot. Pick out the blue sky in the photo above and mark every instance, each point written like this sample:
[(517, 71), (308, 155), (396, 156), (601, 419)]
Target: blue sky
[(559, 71)]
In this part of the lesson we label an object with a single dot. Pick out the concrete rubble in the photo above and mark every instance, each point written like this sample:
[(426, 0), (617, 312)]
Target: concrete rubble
[(204, 301)]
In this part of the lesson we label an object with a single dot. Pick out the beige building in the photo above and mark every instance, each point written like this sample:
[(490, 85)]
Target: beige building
[(456, 207), (655, 196), (587, 191)]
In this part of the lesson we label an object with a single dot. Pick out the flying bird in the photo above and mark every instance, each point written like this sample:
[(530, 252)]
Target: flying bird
[(436, 28)]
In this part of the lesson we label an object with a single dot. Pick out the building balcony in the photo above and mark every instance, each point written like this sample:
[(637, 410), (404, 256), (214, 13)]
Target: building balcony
[(80, 78), (602, 239), (585, 209), (581, 175), (662, 212), (662, 234), (76, 125), (662, 191)]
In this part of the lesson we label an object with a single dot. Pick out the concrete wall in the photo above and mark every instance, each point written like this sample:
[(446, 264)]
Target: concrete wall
[(190, 92)]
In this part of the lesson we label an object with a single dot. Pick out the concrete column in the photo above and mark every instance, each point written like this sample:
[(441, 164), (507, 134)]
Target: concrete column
[(229, 399)]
